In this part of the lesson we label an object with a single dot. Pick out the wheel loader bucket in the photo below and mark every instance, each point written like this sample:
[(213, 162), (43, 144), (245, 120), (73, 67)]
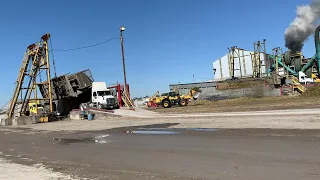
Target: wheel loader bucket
[(196, 95)]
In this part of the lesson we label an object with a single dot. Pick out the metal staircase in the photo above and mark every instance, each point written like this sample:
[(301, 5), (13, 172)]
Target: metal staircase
[(296, 85)]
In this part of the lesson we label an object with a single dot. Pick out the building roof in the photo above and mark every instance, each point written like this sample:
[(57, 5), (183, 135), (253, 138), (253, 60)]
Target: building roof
[(206, 82)]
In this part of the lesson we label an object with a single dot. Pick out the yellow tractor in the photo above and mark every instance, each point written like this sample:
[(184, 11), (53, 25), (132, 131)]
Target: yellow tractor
[(167, 100)]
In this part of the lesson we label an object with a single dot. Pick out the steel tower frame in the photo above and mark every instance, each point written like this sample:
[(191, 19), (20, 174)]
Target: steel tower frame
[(35, 61)]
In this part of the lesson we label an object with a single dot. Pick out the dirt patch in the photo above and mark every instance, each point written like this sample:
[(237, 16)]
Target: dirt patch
[(245, 104), (313, 91), (240, 84)]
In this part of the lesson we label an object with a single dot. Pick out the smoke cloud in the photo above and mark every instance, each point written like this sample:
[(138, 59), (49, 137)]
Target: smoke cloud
[(302, 26)]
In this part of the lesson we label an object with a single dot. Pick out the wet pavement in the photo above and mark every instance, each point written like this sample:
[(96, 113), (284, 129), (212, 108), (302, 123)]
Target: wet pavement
[(161, 152), (152, 132), (106, 138), (178, 129), (167, 131)]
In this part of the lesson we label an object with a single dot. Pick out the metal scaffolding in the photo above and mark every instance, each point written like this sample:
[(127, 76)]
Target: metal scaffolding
[(257, 62), (234, 56), (277, 52), (35, 63)]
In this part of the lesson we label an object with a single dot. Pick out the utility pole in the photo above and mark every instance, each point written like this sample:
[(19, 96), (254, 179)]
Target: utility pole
[(122, 28)]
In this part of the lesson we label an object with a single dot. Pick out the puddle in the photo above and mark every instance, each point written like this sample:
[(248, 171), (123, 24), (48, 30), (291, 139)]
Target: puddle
[(152, 132), (102, 139), (153, 129), (69, 141), (201, 129), (177, 129), (102, 136)]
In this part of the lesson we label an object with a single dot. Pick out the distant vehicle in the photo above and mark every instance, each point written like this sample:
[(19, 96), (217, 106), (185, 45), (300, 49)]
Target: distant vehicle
[(170, 99), (101, 97), (303, 79)]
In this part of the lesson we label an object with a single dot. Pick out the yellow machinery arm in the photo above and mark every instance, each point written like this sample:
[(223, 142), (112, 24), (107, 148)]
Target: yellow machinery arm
[(191, 95), (155, 95), (315, 78)]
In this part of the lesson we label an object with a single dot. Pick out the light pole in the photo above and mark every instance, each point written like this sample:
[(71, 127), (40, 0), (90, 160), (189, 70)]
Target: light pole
[(122, 28)]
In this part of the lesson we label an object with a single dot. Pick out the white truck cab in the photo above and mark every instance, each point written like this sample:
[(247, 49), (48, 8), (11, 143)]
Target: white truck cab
[(101, 96), (304, 79)]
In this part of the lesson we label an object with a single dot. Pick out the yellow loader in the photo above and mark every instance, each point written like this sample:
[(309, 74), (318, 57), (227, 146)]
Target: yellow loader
[(170, 99)]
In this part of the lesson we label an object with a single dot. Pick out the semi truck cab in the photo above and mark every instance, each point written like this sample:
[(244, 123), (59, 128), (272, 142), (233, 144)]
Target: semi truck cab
[(102, 97)]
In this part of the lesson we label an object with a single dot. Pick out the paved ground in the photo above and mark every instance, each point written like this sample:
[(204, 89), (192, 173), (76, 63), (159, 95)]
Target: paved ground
[(100, 149), (276, 119), (192, 154)]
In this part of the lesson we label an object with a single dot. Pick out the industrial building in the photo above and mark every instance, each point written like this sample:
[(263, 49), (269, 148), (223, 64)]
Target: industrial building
[(240, 63), (206, 87)]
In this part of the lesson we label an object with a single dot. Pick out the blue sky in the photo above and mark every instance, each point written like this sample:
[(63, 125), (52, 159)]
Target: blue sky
[(166, 41)]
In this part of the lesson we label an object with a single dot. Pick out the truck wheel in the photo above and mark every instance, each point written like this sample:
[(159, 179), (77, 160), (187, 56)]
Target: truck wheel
[(183, 102), (99, 106), (166, 103)]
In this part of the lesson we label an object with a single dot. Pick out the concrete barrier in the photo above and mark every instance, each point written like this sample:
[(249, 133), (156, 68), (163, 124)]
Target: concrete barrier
[(75, 115), (25, 120), (244, 92), (6, 122), (104, 115)]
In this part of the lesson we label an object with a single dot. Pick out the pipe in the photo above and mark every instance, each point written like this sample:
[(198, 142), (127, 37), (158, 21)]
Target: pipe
[(281, 64), (273, 65), (287, 68), (309, 64), (317, 55), (271, 68), (317, 44)]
